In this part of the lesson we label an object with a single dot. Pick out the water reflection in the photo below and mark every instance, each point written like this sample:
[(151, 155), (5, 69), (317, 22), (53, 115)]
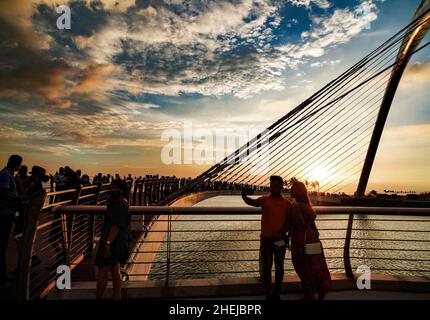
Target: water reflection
[(227, 248)]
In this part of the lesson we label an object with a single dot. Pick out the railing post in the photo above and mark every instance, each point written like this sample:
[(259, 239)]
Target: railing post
[(51, 188), (149, 192), (135, 185), (168, 244), (69, 223), (155, 190), (91, 225), (161, 188), (27, 245), (66, 238), (346, 253), (141, 195)]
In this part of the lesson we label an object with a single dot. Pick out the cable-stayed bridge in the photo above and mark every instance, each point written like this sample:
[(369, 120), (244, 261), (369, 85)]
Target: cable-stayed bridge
[(334, 134)]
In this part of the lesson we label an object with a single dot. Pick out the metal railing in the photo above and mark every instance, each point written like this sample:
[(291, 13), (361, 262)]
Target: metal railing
[(152, 189), (50, 239), (217, 242)]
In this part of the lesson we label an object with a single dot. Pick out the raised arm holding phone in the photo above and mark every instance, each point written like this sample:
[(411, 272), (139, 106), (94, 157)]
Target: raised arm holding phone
[(275, 209)]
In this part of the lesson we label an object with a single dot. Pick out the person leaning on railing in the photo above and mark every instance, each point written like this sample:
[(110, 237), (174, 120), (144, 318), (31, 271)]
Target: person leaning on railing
[(34, 186)]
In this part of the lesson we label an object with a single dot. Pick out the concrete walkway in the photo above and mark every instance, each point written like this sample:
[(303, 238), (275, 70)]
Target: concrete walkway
[(343, 295), (383, 287)]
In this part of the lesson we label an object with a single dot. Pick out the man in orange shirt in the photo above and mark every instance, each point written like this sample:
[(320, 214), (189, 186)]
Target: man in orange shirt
[(275, 209)]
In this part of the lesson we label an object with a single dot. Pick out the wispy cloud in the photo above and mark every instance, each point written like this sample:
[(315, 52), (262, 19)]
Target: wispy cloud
[(331, 30), (307, 3), (91, 87)]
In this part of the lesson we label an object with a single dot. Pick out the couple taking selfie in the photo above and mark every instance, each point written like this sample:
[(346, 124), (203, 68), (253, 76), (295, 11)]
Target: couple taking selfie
[(286, 221)]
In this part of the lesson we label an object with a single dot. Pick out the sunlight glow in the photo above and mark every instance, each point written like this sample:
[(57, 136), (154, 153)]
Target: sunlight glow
[(319, 174)]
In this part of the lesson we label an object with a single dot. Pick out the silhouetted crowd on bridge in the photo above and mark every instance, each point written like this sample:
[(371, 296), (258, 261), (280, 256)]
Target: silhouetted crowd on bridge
[(70, 186), (67, 178), (18, 186)]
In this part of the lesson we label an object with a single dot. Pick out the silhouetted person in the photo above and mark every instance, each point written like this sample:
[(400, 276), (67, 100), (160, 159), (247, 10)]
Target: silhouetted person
[(105, 179), (59, 179), (275, 209), (9, 200), (311, 267), (21, 180), (113, 245), (37, 177), (98, 179), (71, 181), (85, 181)]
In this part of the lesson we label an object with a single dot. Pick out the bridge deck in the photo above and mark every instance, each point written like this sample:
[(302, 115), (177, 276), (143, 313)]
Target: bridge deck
[(383, 287), (345, 295)]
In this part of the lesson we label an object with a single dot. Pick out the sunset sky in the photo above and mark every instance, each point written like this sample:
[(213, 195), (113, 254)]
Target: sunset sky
[(98, 97)]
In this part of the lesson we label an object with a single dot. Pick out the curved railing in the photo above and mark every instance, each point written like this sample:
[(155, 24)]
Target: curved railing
[(50, 239)]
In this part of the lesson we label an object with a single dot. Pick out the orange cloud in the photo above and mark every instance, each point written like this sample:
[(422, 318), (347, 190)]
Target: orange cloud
[(93, 77), (16, 17), (417, 73)]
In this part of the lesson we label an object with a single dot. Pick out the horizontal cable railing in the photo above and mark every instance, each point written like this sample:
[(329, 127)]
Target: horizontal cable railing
[(210, 246), (217, 242)]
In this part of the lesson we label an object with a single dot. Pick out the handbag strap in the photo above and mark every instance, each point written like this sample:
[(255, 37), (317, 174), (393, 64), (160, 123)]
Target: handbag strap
[(301, 217), (303, 221)]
